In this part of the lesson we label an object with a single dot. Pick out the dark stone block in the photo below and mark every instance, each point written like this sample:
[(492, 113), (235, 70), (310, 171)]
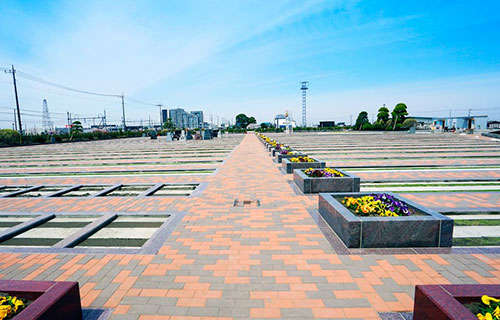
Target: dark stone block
[(387, 234), (431, 229), (289, 166), (347, 183), (279, 157), (436, 302), (51, 300)]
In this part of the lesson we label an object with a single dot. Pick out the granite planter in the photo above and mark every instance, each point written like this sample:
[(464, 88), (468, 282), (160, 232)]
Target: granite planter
[(279, 157), (428, 229), (433, 302), (347, 183), (51, 300), (289, 166)]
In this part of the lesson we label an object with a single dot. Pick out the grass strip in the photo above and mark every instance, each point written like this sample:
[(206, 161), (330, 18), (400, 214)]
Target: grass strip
[(476, 242), (49, 174), (444, 191), (478, 222), (372, 185), (389, 168)]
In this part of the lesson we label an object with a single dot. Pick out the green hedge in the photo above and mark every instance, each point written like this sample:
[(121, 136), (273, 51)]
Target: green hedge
[(12, 138)]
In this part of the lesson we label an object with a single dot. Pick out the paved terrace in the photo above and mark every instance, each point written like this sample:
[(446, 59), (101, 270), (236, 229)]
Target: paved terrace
[(239, 262)]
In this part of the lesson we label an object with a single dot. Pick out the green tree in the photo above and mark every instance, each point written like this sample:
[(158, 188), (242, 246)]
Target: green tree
[(264, 125), (76, 127), (361, 120), (383, 115), (242, 120), (399, 114), (76, 130), (168, 125)]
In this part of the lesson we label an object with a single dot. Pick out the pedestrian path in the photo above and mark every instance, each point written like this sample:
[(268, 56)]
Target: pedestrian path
[(246, 248)]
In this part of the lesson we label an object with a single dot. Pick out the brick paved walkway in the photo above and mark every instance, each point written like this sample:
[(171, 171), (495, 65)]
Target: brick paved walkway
[(267, 261)]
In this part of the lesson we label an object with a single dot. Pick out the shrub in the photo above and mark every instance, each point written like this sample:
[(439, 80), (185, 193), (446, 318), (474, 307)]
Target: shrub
[(367, 126), (378, 126), (408, 123), (9, 137)]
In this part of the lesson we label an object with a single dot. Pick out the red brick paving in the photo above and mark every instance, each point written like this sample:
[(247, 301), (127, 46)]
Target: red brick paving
[(226, 262)]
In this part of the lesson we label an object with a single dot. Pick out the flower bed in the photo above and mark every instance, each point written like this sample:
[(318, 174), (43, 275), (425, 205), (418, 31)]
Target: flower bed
[(280, 147), (378, 204), (293, 163), (11, 305), (422, 228), (456, 301), (302, 159), (49, 299), (286, 154), (325, 180)]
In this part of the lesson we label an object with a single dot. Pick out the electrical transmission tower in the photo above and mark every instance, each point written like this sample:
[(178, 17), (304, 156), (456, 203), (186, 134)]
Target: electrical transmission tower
[(304, 87), (46, 122)]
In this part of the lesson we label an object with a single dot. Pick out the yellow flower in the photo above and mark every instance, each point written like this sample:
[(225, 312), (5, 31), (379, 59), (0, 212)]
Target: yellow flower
[(17, 303), (4, 311), (496, 313), (487, 300), (487, 316)]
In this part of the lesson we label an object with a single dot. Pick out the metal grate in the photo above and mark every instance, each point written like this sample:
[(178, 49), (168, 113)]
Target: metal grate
[(246, 203)]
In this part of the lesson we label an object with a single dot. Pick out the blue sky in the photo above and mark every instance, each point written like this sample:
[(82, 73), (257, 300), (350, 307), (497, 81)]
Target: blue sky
[(227, 57)]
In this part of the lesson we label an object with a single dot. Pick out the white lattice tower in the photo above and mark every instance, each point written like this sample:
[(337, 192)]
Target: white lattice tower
[(46, 122), (304, 87)]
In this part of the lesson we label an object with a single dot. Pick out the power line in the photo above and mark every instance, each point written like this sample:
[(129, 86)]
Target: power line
[(60, 86), (60, 93), (142, 102)]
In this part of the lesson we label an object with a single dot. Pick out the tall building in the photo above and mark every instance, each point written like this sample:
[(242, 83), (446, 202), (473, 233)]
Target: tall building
[(183, 119), (164, 115), (199, 118)]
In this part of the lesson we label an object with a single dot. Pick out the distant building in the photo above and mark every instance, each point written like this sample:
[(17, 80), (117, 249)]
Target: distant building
[(280, 121), (198, 118), (164, 115), (326, 124), (493, 124), (186, 120), (459, 123)]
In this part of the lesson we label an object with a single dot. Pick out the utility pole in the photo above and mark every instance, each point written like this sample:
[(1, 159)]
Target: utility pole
[(123, 110), (13, 71), (69, 118), (15, 121), (161, 115)]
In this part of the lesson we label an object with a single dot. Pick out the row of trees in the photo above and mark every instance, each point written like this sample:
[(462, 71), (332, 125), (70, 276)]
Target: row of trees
[(386, 120), (9, 137)]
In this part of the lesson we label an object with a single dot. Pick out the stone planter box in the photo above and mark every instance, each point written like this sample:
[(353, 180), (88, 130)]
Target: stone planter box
[(433, 302), (274, 152), (429, 229), (289, 166), (347, 183), (51, 300), (279, 157)]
